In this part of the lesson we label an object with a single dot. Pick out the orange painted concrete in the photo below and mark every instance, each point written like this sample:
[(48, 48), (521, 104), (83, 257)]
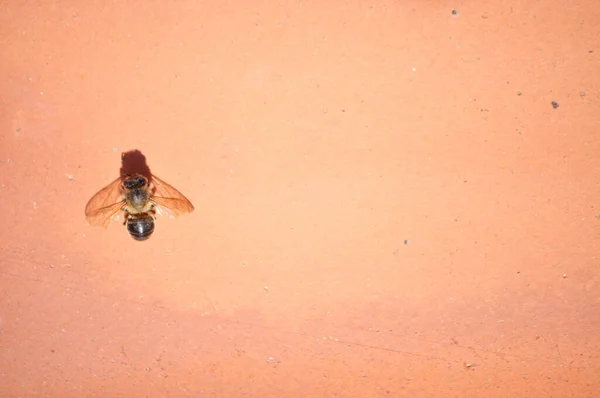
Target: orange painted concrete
[(387, 201)]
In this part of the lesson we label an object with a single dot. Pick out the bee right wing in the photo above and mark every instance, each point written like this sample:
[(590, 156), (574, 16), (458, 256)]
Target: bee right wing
[(168, 200), (106, 205)]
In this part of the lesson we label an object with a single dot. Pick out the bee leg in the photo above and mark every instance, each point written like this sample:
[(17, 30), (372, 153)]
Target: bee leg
[(125, 218)]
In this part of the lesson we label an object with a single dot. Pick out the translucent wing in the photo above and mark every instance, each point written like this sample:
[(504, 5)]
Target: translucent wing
[(105, 205), (167, 200)]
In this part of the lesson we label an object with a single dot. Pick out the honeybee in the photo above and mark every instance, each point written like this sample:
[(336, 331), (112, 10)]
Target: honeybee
[(139, 200)]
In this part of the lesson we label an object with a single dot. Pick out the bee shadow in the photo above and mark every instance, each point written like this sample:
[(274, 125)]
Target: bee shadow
[(134, 162)]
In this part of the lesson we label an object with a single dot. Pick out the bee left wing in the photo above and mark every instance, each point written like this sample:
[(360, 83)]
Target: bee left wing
[(168, 200), (105, 205)]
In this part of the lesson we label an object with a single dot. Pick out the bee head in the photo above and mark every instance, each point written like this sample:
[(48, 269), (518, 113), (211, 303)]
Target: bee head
[(135, 181)]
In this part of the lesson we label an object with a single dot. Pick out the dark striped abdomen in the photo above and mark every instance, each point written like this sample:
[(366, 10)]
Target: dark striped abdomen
[(141, 226)]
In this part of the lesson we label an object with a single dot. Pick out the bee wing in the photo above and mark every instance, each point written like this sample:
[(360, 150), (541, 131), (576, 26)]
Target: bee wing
[(105, 205), (168, 200)]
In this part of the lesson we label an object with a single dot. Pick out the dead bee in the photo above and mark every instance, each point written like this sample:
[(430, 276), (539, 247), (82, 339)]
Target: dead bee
[(139, 199)]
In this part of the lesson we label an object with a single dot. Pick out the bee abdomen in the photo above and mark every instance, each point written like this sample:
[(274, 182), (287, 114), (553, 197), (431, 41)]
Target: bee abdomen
[(140, 228)]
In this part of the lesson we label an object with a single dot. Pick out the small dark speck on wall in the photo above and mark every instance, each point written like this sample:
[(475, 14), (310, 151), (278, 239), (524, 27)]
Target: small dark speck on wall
[(555, 104)]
